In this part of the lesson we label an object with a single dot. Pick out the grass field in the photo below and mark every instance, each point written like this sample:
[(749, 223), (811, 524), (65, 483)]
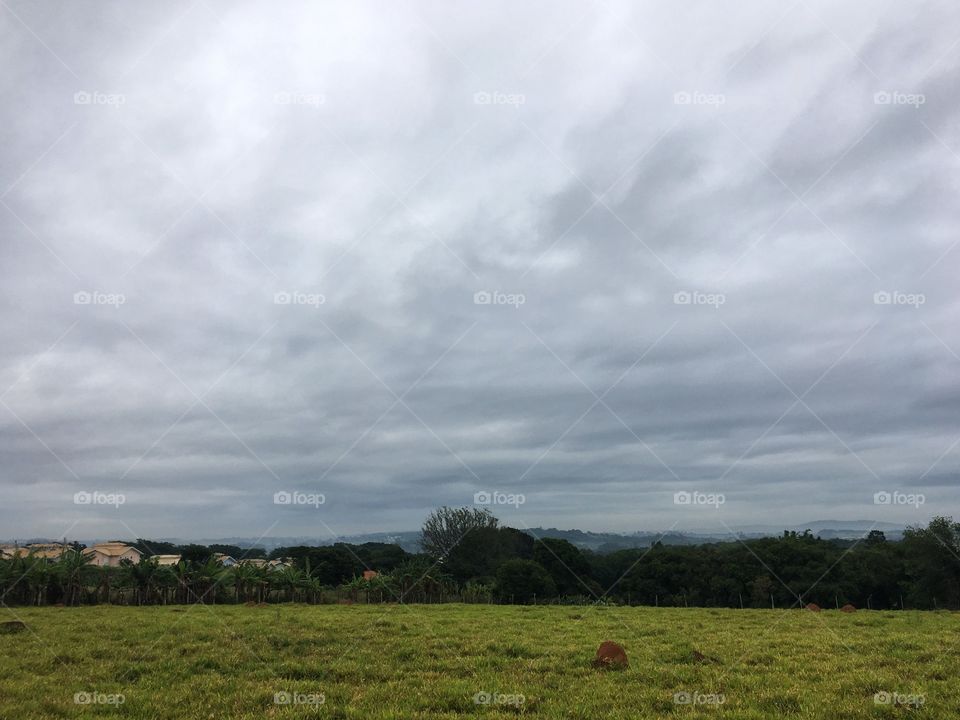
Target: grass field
[(391, 661)]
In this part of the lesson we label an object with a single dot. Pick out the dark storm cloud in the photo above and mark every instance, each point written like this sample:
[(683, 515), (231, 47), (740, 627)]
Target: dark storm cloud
[(718, 250)]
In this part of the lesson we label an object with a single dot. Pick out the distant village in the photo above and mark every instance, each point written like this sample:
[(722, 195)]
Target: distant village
[(113, 554)]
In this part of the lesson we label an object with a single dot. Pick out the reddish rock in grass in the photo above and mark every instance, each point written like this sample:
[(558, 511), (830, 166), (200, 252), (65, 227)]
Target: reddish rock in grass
[(848, 608), (610, 655), (813, 607)]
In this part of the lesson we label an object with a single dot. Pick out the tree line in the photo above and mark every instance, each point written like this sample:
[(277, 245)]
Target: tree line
[(468, 556)]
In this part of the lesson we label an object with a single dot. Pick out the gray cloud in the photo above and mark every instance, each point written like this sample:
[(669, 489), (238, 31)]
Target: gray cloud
[(707, 215)]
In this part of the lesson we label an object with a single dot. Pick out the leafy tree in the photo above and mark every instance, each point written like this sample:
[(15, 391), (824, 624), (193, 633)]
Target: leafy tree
[(521, 581), (933, 562), (567, 566), (481, 551), (446, 527)]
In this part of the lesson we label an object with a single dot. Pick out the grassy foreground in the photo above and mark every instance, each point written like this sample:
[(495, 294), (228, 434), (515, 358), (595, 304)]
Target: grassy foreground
[(391, 661)]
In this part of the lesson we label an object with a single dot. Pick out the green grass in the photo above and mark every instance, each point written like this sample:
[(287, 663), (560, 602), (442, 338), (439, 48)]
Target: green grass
[(419, 661)]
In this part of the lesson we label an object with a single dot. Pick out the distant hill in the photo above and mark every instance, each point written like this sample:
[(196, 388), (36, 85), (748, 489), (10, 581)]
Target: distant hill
[(603, 542)]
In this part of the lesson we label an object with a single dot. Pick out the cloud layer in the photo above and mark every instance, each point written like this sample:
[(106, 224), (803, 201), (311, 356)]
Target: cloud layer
[(398, 254)]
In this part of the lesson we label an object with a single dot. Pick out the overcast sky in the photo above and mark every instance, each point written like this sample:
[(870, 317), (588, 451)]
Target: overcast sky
[(241, 246)]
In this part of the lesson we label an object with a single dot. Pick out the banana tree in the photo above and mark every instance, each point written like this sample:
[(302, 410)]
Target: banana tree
[(183, 575), (71, 570), (290, 579), (143, 577), (208, 577), (245, 577)]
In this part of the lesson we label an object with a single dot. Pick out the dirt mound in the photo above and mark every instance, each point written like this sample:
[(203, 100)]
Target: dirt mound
[(250, 603), (813, 607), (699, 657), (13, 626), (848, 608), (610, 655)]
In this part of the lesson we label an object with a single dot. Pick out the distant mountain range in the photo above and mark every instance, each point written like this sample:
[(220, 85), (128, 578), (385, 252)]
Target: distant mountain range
[(605, 541), (597, 541)]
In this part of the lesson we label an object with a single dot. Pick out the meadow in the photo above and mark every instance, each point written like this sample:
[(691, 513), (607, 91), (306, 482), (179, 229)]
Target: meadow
[(452, 661)]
